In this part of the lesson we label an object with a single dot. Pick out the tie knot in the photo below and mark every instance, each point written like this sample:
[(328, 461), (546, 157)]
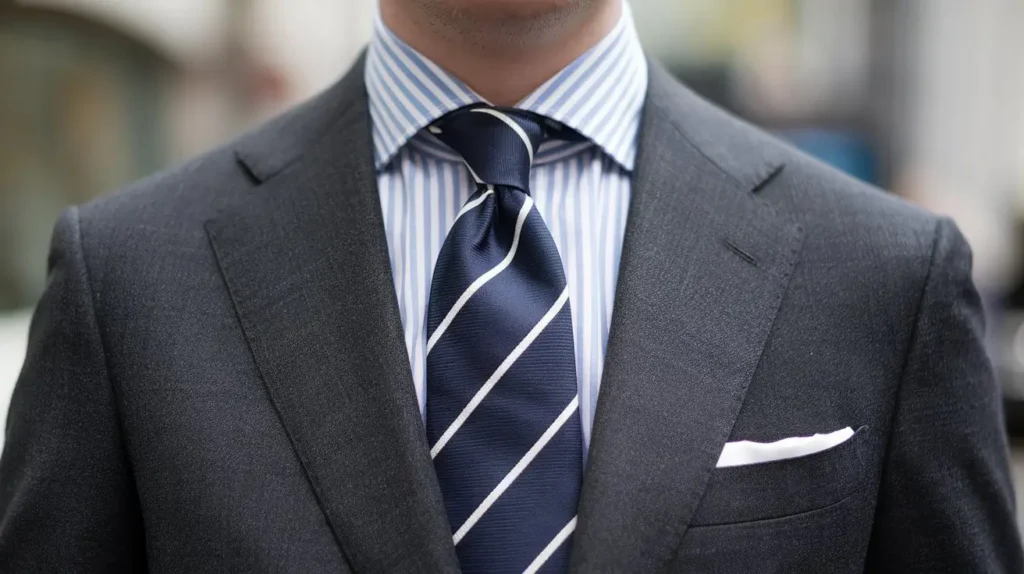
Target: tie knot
[(498, 144)]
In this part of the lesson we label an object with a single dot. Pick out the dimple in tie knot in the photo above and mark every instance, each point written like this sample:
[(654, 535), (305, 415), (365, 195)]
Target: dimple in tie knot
[(498, 144)]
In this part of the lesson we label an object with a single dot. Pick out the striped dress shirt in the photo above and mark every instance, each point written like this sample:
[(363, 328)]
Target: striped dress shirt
[(581, 188)]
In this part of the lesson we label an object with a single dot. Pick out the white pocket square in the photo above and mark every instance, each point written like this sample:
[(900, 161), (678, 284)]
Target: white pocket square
[(745, 452)]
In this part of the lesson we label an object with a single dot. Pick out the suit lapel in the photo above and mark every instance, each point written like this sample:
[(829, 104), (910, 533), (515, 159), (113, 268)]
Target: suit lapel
[(704, 267), (305, 259)]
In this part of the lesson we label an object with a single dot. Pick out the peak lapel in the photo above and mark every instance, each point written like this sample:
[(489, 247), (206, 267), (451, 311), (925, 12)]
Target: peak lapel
[(705, 263), (305, 259)]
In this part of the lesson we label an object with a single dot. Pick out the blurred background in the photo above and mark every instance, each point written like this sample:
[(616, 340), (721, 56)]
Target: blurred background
[(924, 98)]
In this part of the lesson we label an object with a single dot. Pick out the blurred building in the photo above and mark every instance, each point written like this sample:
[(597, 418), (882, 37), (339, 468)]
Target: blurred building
[(923, 97)]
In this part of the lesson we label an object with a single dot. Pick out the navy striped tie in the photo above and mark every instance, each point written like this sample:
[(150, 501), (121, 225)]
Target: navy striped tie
[(502, 405)]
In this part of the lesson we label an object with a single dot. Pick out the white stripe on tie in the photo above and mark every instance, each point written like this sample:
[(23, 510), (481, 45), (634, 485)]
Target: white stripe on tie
[(476, 177), (500, 372), (471, 204), (512, 124), (483, 279), (551, 547), (517, 470)]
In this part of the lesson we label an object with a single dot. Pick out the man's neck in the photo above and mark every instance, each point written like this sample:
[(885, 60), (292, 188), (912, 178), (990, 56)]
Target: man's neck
[(505, 62)]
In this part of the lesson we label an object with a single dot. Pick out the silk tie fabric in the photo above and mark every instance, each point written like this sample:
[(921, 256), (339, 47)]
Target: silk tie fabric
[(502, 411)]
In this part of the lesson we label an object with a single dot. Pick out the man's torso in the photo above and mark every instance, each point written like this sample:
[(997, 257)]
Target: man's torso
[(255, 344)]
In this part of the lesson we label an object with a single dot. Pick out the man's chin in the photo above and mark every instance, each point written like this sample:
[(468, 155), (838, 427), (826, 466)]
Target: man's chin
[(508, 11)]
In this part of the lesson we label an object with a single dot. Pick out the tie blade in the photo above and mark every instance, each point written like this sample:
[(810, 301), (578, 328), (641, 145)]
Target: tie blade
[(502, 405)]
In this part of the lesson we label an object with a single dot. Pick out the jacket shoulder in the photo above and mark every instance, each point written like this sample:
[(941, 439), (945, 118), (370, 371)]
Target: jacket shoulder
[(826, 202), (173, 197), (850, 217), (850, 227), (198, 188)]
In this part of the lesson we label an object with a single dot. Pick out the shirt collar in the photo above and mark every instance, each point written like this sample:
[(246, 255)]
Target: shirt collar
[(600, 94)]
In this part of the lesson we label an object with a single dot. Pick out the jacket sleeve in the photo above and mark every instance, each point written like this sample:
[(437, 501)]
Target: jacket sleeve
[(67, 498), (946, 497)]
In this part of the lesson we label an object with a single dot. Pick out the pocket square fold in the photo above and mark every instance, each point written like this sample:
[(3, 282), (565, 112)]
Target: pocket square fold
[(745, 452)]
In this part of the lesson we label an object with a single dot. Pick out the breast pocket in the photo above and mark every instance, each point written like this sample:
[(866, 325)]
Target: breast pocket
[(785, 487)]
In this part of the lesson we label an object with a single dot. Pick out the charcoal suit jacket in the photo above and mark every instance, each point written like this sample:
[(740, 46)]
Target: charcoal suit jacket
[(217, 381)]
